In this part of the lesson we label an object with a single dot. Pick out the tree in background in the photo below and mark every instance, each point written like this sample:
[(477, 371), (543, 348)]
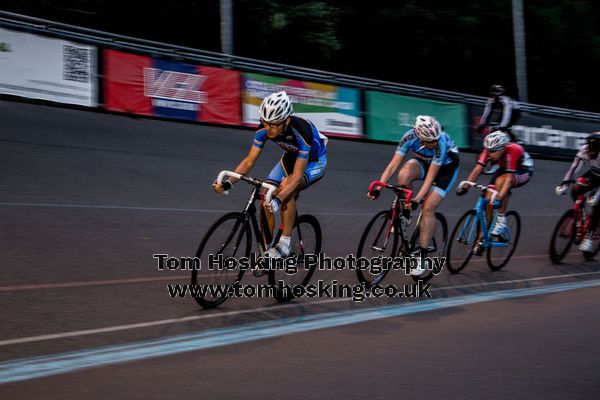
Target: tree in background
[(461, 45)]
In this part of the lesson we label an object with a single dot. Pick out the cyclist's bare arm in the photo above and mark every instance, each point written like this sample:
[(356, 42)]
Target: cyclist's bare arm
[(475, 173), (389, 171), (293, 181), (573, 169), (429, 179), (391, 168), (243, 167)]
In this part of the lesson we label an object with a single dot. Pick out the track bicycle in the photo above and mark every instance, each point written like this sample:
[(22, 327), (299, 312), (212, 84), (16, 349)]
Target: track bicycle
[(572, 228), (471, 235), (231, 236), (386, 234)]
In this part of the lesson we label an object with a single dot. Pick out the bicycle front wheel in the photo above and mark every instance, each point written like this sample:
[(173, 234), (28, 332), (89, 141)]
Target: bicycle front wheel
[(462, 241), (290, 282), (230, 236), (562, 237), (437, 246), (498, 257), (377, 240)]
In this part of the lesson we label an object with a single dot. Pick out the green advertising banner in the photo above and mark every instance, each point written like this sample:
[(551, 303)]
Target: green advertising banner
[(389, 116)]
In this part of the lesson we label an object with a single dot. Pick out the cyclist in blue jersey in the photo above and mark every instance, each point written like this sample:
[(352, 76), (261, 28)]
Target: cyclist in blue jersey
[(435, 162), (302, 164)]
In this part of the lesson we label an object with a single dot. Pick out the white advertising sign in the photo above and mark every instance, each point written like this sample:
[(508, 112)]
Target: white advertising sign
[(50, 69)]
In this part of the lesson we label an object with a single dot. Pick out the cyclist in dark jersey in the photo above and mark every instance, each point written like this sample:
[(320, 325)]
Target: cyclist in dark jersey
[(509, 111), (588, 154), (303, 163)]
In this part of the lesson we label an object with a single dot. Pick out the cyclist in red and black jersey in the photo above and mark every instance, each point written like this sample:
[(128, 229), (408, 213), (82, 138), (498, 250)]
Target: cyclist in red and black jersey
[(515, 170)]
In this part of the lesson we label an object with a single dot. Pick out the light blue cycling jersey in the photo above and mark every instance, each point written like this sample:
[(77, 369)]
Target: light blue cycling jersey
[(443, 153)]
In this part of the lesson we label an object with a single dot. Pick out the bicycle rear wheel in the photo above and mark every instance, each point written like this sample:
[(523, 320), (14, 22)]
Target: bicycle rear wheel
[(463, 239), (562, 237), (498, 257), (377, 241), (437, 247), (306, 240), (230, 236)]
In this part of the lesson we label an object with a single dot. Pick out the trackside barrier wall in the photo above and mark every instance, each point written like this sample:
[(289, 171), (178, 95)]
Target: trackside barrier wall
[(48, 69), (546, 135), (63, 69)]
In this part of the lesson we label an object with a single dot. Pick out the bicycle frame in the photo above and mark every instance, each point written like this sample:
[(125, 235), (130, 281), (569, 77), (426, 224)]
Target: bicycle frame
[(481, 217), (396, 210), (250, 209), (580, 215)]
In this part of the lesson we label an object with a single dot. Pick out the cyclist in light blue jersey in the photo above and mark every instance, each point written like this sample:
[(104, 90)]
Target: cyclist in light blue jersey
[(435, 163)]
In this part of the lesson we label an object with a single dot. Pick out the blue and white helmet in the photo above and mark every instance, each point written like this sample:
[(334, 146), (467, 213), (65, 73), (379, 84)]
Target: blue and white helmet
[(275, 107)]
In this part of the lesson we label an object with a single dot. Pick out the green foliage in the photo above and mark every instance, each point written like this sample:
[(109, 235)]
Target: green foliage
[(459, 45)]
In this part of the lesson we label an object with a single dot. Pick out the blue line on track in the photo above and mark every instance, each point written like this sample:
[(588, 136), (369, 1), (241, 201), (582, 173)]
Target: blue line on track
[(36, 367)]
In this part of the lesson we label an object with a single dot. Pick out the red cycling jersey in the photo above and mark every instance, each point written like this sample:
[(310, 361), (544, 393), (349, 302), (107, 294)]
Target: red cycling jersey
[(513, 159)]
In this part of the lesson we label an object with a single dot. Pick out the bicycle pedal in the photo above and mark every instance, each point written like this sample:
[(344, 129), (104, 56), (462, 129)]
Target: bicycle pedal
[(259, 272), (478, 249)]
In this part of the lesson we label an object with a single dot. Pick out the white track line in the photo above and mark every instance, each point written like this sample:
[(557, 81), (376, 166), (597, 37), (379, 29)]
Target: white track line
[(202, 210), (239, 312)]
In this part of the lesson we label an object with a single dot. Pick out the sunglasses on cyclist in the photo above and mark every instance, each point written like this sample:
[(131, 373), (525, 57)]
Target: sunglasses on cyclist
[(272, 124)]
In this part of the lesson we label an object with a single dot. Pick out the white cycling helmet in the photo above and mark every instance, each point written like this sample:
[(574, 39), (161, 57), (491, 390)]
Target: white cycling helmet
[(496, 141), (427, 128), (275, 107)]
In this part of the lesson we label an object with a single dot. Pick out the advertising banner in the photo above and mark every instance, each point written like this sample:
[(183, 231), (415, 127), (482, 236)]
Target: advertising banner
[(147, 86), (556, 137), (389, 116), (49, 69), (334, 110)]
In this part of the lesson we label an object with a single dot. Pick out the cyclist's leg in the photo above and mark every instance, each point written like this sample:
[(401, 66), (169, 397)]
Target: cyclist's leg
[(582, 185), (501, 183), (501, 180), (588, 182), (313, 173), (411, 171), (430, 204), (267, 219), (595, 217), (288, 212), (444, 181), (504, 182)]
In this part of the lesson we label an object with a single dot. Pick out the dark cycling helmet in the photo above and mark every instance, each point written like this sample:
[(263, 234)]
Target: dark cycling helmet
[(593, 141), (497, 90)]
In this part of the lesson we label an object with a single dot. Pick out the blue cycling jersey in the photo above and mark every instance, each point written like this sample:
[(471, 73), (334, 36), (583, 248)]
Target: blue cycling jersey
[(444, 152), (301, 138)]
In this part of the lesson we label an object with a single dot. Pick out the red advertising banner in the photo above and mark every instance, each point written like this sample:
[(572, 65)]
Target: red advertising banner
[(147, 86)]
